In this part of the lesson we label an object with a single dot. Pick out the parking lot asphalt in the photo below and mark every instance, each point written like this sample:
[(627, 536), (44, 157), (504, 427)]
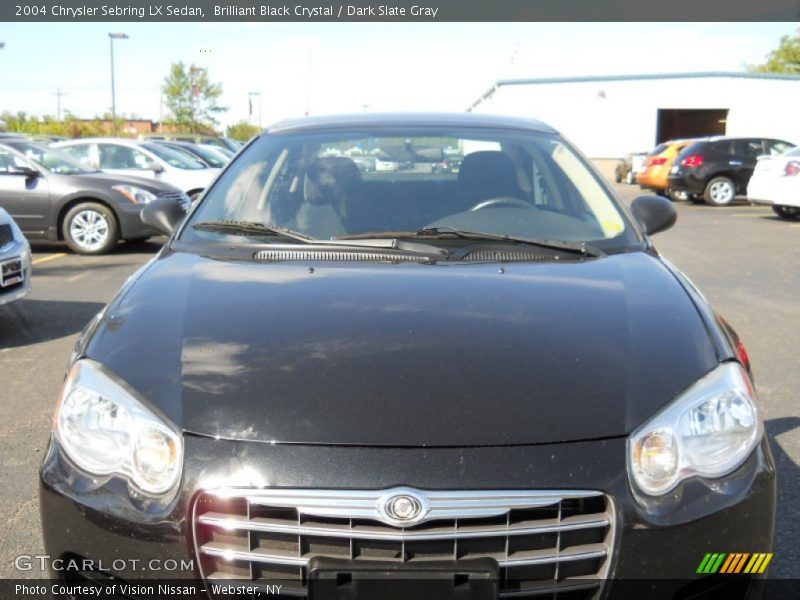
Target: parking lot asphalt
[(745, 260)]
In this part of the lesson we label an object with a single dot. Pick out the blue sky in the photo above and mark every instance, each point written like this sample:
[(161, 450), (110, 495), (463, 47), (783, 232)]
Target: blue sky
[(340, 67)]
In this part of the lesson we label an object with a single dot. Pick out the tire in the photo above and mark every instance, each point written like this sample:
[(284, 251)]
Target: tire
[(673, 195), (790, 213), (90, 228), (617, 177), (720, 191)]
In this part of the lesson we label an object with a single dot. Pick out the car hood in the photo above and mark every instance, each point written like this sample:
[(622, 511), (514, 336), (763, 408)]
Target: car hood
[(104, 181), (404, 354)]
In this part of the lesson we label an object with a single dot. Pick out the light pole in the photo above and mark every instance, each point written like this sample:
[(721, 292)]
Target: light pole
[(111, 38), (250, 101), (195, 85), (308, 82), (58, 94)]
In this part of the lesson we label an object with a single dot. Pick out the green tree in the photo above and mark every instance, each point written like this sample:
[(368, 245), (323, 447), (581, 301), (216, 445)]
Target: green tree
[(242, 131), (191, 99), (70, 125), (783, 59)]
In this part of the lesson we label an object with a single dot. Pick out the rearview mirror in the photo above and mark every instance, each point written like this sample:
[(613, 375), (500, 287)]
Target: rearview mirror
[(163, 215), (154, 166), (654, 213)]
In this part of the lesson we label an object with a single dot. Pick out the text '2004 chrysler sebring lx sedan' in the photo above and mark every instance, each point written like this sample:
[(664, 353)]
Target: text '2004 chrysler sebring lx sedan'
[(488, 382)]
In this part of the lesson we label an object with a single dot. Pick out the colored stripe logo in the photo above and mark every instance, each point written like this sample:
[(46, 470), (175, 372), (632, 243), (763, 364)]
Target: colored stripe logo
[(735, 562)]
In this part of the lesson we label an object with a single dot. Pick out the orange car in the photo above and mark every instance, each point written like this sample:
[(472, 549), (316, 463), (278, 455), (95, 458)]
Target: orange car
[(657, 164)]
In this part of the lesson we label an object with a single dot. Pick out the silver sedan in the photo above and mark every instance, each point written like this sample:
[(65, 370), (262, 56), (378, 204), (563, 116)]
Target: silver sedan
[(15, 261)]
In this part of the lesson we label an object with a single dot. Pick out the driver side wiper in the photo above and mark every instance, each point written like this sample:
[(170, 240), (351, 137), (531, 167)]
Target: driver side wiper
[(244, 227), (577, 247)]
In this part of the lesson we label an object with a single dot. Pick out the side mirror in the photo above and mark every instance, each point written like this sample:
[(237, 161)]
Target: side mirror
[(164, 215), (654, 213), (28, 172), (154, 166)]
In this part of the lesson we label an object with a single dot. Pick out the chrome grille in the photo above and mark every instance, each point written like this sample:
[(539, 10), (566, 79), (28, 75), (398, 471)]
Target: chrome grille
[(545, 542)]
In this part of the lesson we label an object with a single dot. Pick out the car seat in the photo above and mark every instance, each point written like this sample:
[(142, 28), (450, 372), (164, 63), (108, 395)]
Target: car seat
[(329, 182)]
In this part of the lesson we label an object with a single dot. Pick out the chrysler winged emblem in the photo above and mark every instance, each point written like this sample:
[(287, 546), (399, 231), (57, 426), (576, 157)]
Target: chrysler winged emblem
[(402, 507)]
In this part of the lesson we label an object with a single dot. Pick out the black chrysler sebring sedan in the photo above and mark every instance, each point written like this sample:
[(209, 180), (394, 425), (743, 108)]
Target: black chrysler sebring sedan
[(481, 384)]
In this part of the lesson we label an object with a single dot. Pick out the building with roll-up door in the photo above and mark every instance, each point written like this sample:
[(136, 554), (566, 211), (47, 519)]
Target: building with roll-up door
[(609, 116)]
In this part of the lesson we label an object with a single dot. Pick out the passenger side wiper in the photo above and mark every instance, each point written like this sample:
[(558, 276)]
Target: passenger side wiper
[(576, 247), (244, 227)]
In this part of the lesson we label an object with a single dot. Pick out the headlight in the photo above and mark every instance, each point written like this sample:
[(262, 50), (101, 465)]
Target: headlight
[(708, 431), (105, 430), (135, 194)]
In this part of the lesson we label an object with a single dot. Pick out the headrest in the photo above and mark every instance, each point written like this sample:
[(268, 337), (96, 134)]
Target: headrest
[(329, 179), (487, 174)]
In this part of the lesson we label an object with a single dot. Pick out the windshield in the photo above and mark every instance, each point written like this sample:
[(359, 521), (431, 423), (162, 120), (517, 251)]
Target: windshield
[(207, 155), (51, 159), (174, 158), (331, 185), (223, 151)]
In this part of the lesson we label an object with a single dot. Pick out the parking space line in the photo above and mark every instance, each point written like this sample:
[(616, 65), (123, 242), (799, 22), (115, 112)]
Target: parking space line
[(78, 276), (48, 257)]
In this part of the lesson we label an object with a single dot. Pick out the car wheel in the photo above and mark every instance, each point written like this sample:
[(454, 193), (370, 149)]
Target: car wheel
[(617, 177), (787, 212), (720, 191), (90, 228), (676, 196), (630, 178)]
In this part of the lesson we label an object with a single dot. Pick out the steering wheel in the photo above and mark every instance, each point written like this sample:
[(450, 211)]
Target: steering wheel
[(500, 201)]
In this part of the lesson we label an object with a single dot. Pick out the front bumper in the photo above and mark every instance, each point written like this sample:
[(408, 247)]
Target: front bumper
[(130, 222), (660, 543), (20, 250)]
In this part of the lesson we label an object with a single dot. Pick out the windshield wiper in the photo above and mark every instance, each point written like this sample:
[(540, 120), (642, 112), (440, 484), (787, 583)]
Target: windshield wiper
[(245, 227), (577, 247), (446, 230)]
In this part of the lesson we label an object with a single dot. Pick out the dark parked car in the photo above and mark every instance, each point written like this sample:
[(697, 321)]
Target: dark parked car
[(715, 170), (198, 153), (51, 196), (223, 142), (482, 385)]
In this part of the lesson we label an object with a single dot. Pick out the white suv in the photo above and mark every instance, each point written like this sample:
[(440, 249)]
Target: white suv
[(141, 159)]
